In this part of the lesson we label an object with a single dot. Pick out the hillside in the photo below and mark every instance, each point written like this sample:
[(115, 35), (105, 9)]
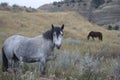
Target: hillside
[(15, 8), (104, 13), (33, 24), (108, 13), (75, 43)]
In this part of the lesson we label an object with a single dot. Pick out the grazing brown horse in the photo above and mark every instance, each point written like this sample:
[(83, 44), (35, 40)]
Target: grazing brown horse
[(94, 34)]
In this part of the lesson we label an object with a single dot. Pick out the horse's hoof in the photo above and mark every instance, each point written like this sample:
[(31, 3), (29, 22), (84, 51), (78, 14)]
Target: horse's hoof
[(9, 70)]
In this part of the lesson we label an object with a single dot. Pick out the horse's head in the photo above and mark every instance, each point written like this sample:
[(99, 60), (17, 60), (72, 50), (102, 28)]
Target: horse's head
[(57, 35)]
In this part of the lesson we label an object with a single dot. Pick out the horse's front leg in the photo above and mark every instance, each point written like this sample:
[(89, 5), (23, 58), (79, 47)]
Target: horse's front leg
[(42, 66), (52, 57), (16, 66)]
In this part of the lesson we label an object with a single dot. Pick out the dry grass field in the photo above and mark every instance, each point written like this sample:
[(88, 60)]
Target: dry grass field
[(78, 59)]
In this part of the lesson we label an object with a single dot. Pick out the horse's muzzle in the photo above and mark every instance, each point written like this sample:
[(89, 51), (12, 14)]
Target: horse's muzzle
[(58, 46)]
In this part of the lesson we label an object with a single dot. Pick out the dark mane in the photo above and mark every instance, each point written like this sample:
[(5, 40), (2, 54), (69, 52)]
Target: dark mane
[(48, 35)]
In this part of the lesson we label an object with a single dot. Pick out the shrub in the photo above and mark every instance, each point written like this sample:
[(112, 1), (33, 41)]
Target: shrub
[(5, 7), (108, 1), (97, 3), (72, 1), (74, 66), (30, 9), (78, 0), (59, 5), (15, 6), (116, 69), (116, 27), (109, 27), (64, 65), (55, 3), (4, 4), (67, 4)]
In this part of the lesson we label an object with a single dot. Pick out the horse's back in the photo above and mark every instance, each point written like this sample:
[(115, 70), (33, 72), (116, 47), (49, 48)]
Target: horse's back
[(12, 42), (95, 34)]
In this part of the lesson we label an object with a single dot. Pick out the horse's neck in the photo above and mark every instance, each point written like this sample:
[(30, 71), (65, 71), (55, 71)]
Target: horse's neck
[(42, 41), (38, 37), (47, 44)]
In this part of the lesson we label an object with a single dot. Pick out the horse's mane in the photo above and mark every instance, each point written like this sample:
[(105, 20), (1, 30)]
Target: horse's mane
[(48, 35)]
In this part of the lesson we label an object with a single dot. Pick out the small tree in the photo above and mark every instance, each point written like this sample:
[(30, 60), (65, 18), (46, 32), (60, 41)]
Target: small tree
[(4, 4), (67, 4), (59, 5), (116, 27), (72, 1), (78, 0), (15, 6), (55, 3), (66, 1), (109, 1), (109, 27), (97, 3)]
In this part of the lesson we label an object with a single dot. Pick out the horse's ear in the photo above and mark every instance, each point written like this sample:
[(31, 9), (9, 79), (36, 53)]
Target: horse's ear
[(52, 27), (62, 27)]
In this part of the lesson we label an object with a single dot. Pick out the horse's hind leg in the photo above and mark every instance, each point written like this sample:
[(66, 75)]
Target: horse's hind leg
[(4, 61), (9, 65), (100, 38), (16, 65)]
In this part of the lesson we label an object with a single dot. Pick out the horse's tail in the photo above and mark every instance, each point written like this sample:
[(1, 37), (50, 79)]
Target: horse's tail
[(4, 61)]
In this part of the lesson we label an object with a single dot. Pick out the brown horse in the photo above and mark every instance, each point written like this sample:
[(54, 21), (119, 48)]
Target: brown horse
[(94, 34)]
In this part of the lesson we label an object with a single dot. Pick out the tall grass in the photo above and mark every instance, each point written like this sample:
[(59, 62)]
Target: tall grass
[(69, 66), (74, 65)]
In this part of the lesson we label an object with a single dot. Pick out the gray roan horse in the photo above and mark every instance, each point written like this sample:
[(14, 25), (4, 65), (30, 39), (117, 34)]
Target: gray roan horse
[(18, 48)]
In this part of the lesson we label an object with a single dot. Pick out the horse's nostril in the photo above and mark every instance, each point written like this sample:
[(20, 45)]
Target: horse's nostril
[(58, 47)]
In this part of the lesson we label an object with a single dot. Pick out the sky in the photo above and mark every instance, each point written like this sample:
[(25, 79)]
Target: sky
[(28, 3)]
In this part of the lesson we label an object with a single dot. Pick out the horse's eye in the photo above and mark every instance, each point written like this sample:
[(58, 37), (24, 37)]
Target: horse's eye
[(61, 34)]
